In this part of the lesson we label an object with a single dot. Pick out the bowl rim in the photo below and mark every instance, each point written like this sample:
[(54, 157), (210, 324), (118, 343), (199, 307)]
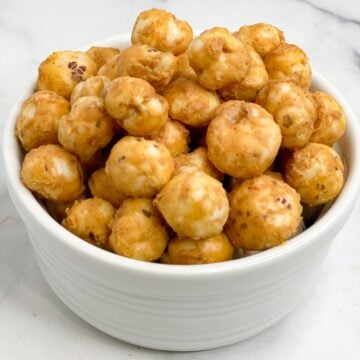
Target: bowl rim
[(23, 197)]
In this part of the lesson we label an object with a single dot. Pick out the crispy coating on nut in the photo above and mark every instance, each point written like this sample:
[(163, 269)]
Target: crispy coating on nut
[(174, 136), (62, 70), (255, 79), (161, 30), (218, 58), (186, 251), (235, 182), (138, 231), (144, 62), (135, 106), (330, 121), (109, 69), (293, 109), (53, 173), (89, 219), (194, 205), (197, 160), (262, 37), (190, 103), (243, 139), (316, 172), (102, 187), (87, 128), (101, 55), (183, 68), (93, 86), (139, 167), (37, 123), (264, 212), (289, 63)]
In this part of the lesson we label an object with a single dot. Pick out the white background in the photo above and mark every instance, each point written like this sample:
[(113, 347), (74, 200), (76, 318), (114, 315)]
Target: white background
[(34, 324)]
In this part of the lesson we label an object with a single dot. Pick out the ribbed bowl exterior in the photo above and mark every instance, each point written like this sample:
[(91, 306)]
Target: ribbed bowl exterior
[(173, 307)]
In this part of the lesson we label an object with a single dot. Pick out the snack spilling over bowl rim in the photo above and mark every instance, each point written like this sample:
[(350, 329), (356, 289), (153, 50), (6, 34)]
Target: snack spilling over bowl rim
[(208, 150)]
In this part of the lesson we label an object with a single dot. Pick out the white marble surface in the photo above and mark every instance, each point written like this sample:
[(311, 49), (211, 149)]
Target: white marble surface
[(34, 324)]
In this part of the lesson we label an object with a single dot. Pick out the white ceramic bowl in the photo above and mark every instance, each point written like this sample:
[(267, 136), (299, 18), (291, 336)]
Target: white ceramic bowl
[(180, 307)]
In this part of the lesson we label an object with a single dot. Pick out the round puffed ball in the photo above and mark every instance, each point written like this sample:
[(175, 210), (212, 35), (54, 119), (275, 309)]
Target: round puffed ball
[(235, 182), (262, 37), (102, 187), (138, 231), (293, 109), (219, 58), (330, 121), (197, 160), (255, 79), (53, 173), (161, 30), (316, 172), (101, 55), (190, 103), (174, 136), (109, 69), (186, 251), (264, 212), (87, 128), (194, 204), (139, 167), (38, 120), (183, 68), (62, 70), (144, 62), (57, 210), (89, 219), (135, 106), (243, 139), (289, 63), (93, 86)]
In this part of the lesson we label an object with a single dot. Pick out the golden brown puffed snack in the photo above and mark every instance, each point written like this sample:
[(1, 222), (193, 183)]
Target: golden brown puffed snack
[(62, 70), (194, 205), (102, 187), (89, 219), (53, 173), (186, 251), (190, 103), (235, 182), (262, 37), (109, 69), (93, 86), (144, 62), (139, 167), (135, 106), (161, 30), (218, 58), (137, 231), (293, 109), (255, 79), (87, 128), (57, 210), (316, 172), (330, 120), (174, 136), (197, 160), (264, 212), (289, 63), (183, 68), (243, 139), (37, 123), (101, 55)]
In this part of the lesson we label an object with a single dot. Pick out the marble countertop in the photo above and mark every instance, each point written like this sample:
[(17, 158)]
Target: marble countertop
[(34, 324)]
